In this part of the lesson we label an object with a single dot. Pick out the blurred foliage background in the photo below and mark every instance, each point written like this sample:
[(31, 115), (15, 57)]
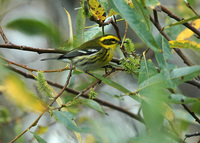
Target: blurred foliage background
[(45, 25)]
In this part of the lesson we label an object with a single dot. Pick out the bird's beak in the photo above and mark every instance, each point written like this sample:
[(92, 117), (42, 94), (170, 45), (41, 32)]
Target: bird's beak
[(120, 42)]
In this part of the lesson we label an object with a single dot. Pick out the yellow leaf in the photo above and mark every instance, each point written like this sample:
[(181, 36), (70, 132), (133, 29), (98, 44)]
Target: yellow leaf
[(187, 33), (168, 112), (94, 3), (2, 88), (185, 44), (70, 41), (97, 11), (112, 12), (90, 139), (78, 135), (17, 92), (41, 130)]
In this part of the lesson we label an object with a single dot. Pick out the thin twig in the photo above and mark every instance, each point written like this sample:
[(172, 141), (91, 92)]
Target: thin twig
[(9, 45), (190, 7), (3, 36), (192, 135), (102, 102), (114, 24), (64, 87), (31, 69), (91, 86), (31, 49), (155, 16), (177, 50), (194, 82), (32, 125), (55, 98), (119, 36), (38, 50), (191, 113), (188, 25)]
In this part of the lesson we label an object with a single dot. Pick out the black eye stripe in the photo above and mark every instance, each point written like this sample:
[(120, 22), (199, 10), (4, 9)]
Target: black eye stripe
[(113, 39), (109, 41)]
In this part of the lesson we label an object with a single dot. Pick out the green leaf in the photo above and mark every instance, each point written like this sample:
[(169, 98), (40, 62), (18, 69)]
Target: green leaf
[(80, 26), (165, 47), (89, 103), (111, 83), (115, 85), (157, 79), (91, 33), (162, 58), (177, 76), (147, 70), (29, 26), (104, 4), (152, 117), (67, 119), (136, 22), (181, 99), (38, 138), (183, 74), (140, 9), (35, 27), (154, 107)]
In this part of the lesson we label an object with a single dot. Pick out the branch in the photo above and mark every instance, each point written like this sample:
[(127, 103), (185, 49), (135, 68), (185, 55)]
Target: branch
[(192, 135), (3, 36), (170, 14), (102, 102), (119, 36), (178, 51), (31, 69), (194, 82), (191, 113), (55, 98), (9, 45), (190, 7), (27, 48)]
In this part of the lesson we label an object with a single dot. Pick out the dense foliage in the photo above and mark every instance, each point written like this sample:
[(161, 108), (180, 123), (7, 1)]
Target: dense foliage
[(148, 94)]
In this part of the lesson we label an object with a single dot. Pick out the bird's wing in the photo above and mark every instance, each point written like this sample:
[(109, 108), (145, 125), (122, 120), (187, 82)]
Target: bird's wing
[(81, 52)]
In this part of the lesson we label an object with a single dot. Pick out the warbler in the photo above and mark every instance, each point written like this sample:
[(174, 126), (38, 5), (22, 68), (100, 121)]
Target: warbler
[(92, 54)]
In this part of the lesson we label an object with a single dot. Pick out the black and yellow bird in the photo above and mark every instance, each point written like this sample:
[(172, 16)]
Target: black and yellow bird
[(92, 54)]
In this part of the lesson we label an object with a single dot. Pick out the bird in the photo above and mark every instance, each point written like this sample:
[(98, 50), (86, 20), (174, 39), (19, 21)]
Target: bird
[(93, 54)]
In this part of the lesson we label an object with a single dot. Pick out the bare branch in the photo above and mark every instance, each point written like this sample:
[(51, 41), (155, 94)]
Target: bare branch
[(3, 36), (102, 102), (170, 14), (31, 49), (190, 7), (191, 113)]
